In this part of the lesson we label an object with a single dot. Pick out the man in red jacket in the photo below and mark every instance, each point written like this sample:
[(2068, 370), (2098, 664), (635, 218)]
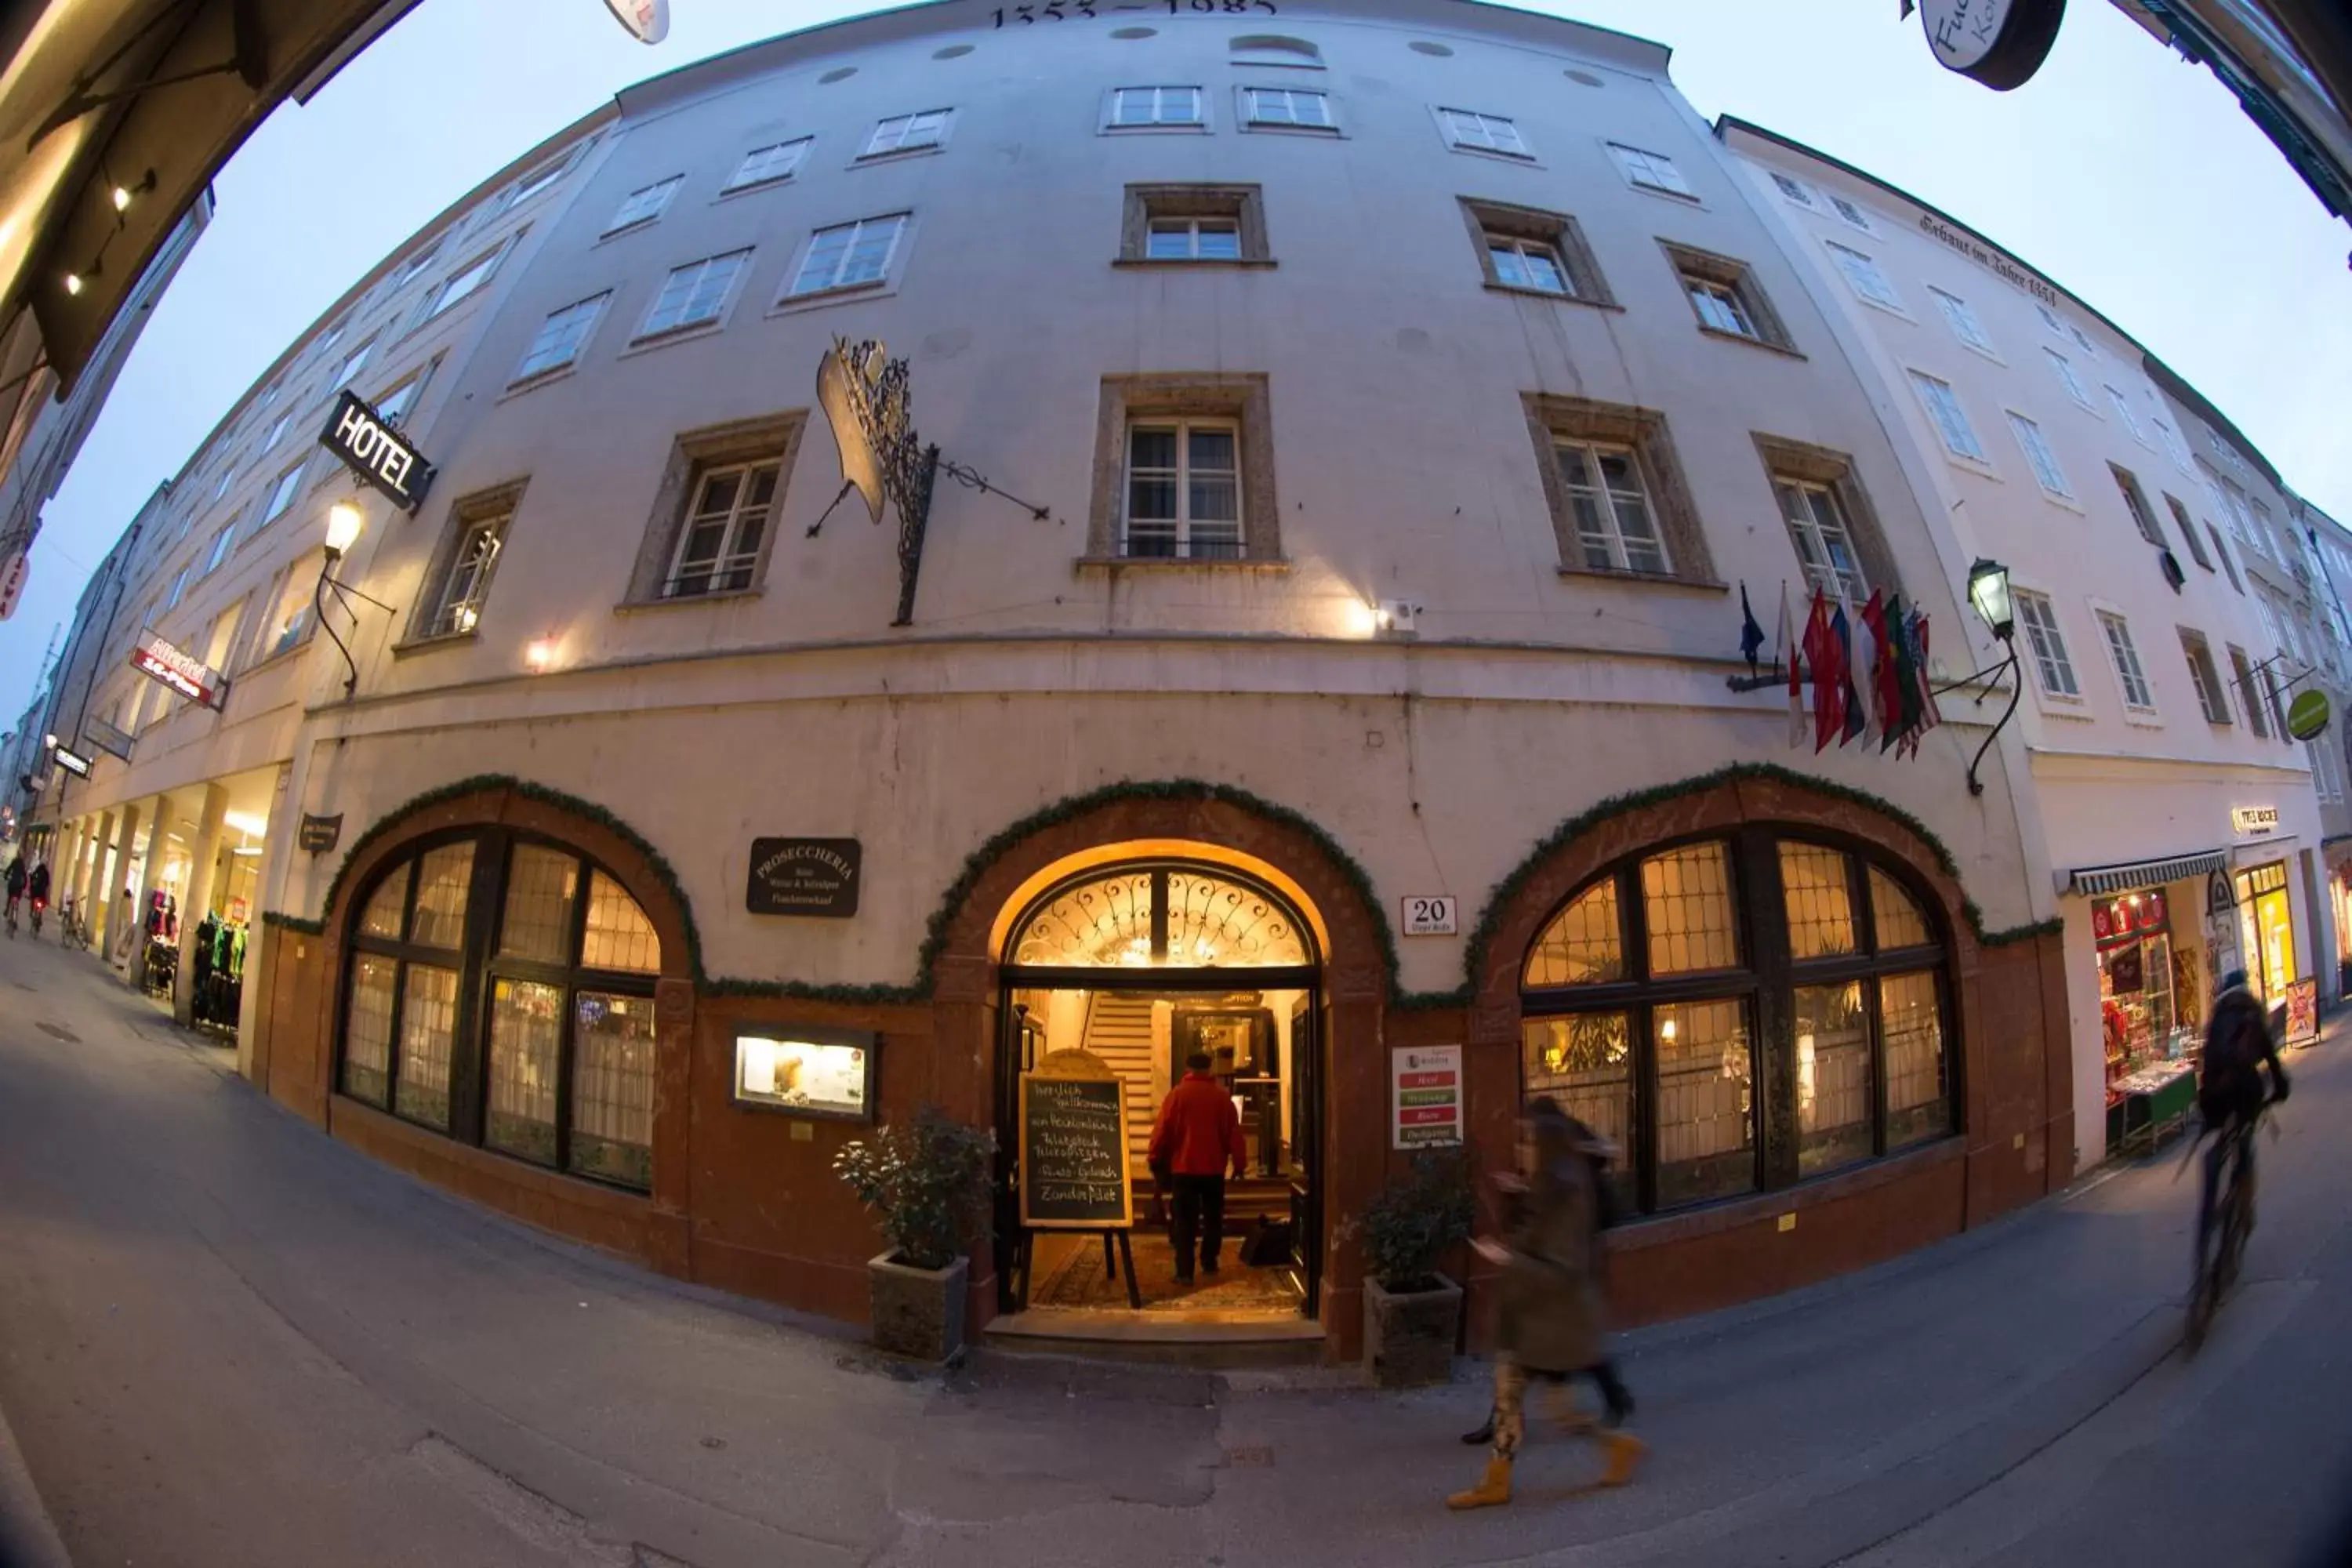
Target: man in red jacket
[(1199, 1133)]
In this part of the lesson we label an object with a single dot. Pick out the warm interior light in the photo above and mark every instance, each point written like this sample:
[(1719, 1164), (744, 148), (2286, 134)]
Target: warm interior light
[(1666, 1030), (121, 199), (344, 521), (540, 654), (73, 282), (246, 823)]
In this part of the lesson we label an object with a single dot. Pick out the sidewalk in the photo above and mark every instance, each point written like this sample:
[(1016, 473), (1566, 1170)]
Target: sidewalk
[(225, 1339)]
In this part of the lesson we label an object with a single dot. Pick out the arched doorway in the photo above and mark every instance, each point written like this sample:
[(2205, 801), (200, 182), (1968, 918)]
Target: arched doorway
[(1141, 963)]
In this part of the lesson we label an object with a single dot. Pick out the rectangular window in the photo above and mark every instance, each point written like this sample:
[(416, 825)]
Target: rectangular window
[(2049, 318), (353, 363), (719, 547), (1962, 321), (2173, 446), (1542, 252), (2045, 462), (695, 294), (394, 404), (2204, 677), (282, 495), (179, 586), (1825, 548), (1707, 1122), (767, 165), (1193, 223), (2065, 370), (277, 430), (907, 133), (644, 204), (2242, 677), (1793, 188), (2124, 412), (562, 337), (1183, 490), (1288, 106), (2051, 661), (1483, 132), (457, 605), (538, 180), (1652, 171), (1725, 297), (1193, 239), (463, 282), (1919, 1097), (1951, 419), (1863, 274), (1851, 213), (1836, 1101), (2126, 657), (1142, 108), (1519, 263), (2136, 502), (1616, 530), (221, 542), (849, 256), (229, 478), (289, 621), (2196, 543), (1718, 307)]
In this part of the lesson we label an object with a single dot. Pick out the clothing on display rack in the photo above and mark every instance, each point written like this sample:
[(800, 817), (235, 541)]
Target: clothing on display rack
[(218, 972)]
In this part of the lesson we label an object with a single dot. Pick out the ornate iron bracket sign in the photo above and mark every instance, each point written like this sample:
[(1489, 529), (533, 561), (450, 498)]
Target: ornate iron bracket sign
[(868, 400)]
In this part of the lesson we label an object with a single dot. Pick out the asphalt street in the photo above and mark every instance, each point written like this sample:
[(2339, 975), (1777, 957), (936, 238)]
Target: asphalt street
[(225, 1339)]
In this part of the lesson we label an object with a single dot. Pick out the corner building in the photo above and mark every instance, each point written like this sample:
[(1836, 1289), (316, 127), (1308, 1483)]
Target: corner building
[(1398, 483)]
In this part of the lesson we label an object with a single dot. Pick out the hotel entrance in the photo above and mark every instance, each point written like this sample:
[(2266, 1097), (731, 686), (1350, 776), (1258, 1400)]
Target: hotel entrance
[(1122, 974)]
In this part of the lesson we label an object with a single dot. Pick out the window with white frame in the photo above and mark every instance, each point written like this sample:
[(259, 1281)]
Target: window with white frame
[(1961, 320), (2327, 772), (1483, 132), (2125, 660), (1183, 490), (2187, 527), (2263, 526), (2052, 664), (1145, 108), (1616, 527), (394, 404), (1291, 107), (2243, 672), (2049, 318), (1650, 170), (1853, 215), (562, 337), (2210, 696), (2065, 370), (2136, 502), (228, 478), (1824, 540), (695, 295), (1861, 274), (457, 605), (718, 545), (1542, 252), (277, 430), (1951, 420), (1796, 190), (907, 133), (179, 586), (644, 204), (282, 495), (849, 256), (417, 264), (2124, 412), (353, 363), (2081, 339), (2176, 448), (2045, 462), (538, 180), (1193, 239), (767, 165), (1718, 306), (329, 338), (1520, 262), (462, 283), (221, 542)]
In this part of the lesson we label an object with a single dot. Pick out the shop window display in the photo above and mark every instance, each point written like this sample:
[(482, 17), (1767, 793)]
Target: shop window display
[(2145, 1018), (1648, 999)]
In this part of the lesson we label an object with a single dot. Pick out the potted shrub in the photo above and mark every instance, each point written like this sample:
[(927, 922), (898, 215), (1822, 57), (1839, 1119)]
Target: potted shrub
[(1412, 1313), (926, 1180)]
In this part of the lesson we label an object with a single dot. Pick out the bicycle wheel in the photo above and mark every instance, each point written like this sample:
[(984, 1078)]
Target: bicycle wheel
[(2236, 1227), (2200, 1311)]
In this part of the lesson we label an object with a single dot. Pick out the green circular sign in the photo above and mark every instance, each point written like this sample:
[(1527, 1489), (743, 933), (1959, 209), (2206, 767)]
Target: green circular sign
[(2306, 716)]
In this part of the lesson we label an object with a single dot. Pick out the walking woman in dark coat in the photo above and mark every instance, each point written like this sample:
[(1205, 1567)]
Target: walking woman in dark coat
[(1551, 1317)]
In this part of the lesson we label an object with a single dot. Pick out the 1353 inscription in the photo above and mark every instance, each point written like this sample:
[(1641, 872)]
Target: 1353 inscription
[(1063, 10)]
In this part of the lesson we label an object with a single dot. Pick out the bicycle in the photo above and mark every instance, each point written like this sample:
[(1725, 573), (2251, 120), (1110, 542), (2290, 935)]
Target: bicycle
[(71, 930), (38, 905), (2232, 1225), (12, 920)]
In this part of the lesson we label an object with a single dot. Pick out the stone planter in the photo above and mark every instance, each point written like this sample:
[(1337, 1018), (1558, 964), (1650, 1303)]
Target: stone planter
[(1408, 1335), (919, 1312)]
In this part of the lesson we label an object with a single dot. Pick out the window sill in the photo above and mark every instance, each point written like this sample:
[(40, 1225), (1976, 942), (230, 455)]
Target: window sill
[(2143, 718), (1897, 311), (1493, 287), (652, 341), (407, 646), (1207, 263), (1522, 160), (1196, 128), (1682, 197), (897, 154), (2068, 503), (1976, 465), (732, 192), (544, 378), (1766, 345), (840, 294), (1324, 132), (682, 601), (249, 672), (626, 229), (1641, 579), (1814, 1192), (1085, 564)]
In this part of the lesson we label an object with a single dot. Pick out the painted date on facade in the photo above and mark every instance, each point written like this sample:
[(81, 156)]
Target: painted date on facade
[(1063, 10)]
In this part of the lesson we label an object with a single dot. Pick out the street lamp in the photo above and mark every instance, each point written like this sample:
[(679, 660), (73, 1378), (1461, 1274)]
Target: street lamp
[(1988, 595), (1988, 591), (344, 521)]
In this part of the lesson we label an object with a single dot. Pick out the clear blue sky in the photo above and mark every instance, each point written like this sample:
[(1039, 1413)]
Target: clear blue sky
[(2122, 172)]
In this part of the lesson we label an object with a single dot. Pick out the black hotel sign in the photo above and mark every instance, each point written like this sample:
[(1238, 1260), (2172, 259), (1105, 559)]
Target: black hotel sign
[(803, 877), (376, 453)]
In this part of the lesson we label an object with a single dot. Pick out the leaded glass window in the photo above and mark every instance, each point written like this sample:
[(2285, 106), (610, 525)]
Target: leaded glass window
[(1174, 916)]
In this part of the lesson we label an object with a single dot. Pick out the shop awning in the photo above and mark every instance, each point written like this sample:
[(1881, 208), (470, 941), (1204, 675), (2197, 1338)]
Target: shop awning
[(2096, 881)]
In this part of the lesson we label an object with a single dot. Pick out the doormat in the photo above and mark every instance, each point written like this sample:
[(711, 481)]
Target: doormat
[(1081, 1281)]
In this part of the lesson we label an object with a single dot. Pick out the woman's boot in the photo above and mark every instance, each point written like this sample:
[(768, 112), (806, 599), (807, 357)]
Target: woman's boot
[(1493, 1490), (1624, 1451)]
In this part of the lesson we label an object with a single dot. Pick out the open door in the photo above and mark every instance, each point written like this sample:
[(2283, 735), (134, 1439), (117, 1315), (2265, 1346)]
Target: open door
[(1306, 1153)]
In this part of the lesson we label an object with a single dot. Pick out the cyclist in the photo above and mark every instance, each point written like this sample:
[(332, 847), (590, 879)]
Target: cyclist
[(38, 885), (2231, 1093), (15, 890)]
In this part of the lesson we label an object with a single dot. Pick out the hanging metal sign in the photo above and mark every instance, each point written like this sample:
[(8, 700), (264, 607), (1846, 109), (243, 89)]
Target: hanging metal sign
[(647, 20), (2306, 716), (320, 834), (73, 762), (191, 677), (376, 452), (12, 573), (2000, 43)]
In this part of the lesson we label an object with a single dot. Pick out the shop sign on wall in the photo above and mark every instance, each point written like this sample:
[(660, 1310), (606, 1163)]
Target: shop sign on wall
[(320, 834), (2254, 821), (180, 671), (73, 762), (803, 877), (1435, 915), (1426, 1095)]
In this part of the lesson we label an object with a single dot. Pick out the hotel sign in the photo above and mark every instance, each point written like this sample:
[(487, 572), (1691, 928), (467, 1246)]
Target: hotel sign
[(2254, 821), (376, 453), (803, 877), (184, 673)]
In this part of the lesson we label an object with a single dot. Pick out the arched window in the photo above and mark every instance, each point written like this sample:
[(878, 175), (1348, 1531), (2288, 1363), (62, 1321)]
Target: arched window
[(1173, 915), (1274, 49), (1740, 1013), (501, 991)]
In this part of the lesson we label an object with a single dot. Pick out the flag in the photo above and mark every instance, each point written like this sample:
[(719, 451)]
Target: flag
[(1796, 670), (1930, 715), (1828, 667), (1849, 714), (1872, 636), (1891, 683), (1905, 728), (1751, 635)]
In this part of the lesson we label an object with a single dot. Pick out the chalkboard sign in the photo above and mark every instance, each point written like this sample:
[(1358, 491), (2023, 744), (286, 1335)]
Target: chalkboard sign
[(1074, 1173)]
